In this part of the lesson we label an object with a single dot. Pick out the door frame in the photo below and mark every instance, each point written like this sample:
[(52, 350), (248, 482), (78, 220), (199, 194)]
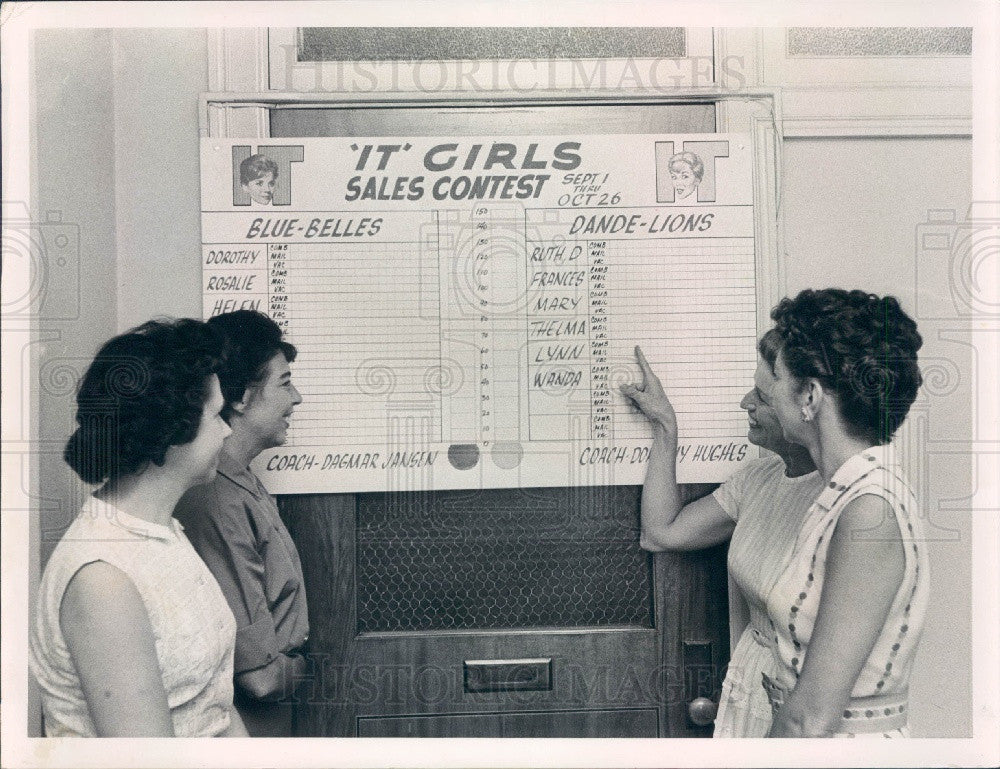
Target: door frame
[(239, 105)]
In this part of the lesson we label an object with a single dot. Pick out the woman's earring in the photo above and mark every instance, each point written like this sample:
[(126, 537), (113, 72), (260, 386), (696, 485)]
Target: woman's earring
[(806, 416)]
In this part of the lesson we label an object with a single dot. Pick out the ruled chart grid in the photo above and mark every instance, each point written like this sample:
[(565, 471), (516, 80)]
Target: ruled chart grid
[(691, 306), (689, 302), (365, 322), (492, 324)]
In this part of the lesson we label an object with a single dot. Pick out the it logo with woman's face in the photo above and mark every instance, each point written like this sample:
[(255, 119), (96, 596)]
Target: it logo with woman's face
[(691, 175), (685, 182), (264, 178), (261, 190)]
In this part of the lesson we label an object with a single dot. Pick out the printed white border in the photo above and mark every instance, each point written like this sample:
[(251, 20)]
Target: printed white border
[(18, 19)]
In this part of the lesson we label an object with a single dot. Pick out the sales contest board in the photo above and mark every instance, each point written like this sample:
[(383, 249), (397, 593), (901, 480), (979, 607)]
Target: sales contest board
[(466, 308)]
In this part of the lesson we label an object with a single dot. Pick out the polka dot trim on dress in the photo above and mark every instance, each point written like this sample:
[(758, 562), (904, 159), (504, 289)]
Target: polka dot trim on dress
[(794, 610), (857, 713), (904, 628)]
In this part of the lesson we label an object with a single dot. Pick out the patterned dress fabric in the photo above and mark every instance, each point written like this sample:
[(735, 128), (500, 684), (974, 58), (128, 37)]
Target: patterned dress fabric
[(878, 705)]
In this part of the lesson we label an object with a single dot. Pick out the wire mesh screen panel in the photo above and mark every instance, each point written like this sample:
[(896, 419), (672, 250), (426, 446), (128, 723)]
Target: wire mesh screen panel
[(566, 557)]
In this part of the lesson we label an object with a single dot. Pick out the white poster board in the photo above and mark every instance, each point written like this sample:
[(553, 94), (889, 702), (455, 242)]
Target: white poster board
[(466, 308)]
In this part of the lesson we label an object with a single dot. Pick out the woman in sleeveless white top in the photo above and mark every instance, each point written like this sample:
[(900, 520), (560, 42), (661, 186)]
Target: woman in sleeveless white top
[(193, 628), (769, 508), (132, 635)]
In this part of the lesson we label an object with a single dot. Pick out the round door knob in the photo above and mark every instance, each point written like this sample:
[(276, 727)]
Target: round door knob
[(702, 711)]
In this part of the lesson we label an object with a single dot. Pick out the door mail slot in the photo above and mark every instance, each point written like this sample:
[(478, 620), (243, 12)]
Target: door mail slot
[(527, 675)]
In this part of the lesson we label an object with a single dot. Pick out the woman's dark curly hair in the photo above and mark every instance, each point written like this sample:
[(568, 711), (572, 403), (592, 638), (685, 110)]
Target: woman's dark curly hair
[(144, 392), (251, 339), (862, 346)]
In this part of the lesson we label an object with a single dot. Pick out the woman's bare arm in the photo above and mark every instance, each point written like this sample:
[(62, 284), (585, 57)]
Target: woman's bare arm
[(864, 569), (110, 639), (668, 524)]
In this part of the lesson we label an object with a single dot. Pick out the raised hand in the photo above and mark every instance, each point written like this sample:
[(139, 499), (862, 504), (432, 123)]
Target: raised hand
[(650, 397)]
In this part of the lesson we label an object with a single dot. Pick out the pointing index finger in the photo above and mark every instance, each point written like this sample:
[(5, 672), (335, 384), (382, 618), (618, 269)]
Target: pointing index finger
[(643, 363), (644, 369)]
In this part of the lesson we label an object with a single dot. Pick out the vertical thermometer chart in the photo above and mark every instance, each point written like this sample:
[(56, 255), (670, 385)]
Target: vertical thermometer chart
[(482, 299)]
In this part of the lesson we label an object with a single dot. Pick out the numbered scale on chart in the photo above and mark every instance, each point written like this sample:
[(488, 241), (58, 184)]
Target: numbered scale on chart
[(483, 296)]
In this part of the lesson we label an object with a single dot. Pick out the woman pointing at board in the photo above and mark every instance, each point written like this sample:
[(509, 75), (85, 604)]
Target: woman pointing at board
[(841, 610), (761, 507)]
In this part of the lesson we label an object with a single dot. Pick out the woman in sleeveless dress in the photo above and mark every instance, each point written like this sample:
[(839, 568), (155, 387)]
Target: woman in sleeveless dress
[(848, 609), (844, 377), (132, 636)]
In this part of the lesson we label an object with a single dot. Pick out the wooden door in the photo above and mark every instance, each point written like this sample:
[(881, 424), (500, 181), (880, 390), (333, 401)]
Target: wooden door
[(568, 629), (521, 613)]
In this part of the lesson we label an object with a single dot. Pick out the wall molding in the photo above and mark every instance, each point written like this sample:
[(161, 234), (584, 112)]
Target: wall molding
[(905, 96), (238, 62), (850, 96)]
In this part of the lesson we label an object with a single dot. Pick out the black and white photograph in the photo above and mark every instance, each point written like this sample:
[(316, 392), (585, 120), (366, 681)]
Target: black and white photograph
[(564, 384)]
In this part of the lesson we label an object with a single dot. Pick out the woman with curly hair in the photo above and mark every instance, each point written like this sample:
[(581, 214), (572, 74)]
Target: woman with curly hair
[(848, 609), (826, 545), (132, 636)]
